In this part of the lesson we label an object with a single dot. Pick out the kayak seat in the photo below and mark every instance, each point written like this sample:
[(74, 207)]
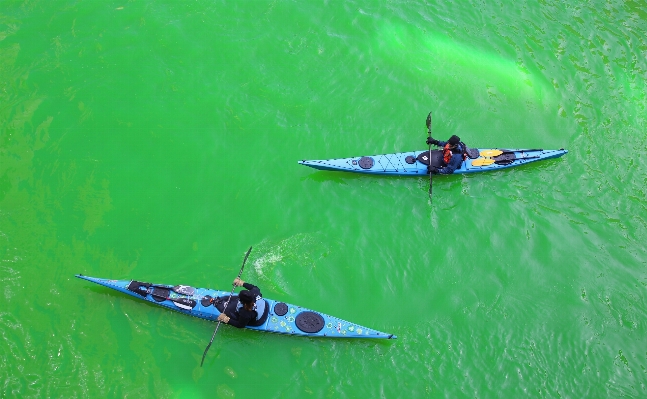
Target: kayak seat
[(219, 303), (263, 317)]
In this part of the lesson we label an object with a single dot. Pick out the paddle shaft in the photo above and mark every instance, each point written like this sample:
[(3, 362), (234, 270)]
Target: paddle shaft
[(226, 303), (430, 174)]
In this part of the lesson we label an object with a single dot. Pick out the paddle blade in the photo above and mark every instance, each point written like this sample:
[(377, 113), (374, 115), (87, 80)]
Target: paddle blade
[(210, 342), (184, 290), (205, 354), (184, 303), (491, 153), (482, 162), (429, 121), (244, 260)]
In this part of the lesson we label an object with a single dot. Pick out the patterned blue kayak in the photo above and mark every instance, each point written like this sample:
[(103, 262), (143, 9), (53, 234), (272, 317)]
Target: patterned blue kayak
[(415, 163), (278, 317)]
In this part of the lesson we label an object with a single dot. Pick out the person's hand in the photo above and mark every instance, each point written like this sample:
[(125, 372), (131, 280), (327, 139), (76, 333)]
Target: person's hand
[(223, 317), (432, 169), (431, 140), (238, 282)]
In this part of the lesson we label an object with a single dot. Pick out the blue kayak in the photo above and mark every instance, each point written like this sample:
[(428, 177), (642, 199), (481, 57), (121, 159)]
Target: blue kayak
[(278, 317), (415, 163)]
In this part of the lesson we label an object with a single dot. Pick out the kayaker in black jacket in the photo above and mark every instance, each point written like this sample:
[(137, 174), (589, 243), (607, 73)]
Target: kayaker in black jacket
[(250, 306), (453, 155)]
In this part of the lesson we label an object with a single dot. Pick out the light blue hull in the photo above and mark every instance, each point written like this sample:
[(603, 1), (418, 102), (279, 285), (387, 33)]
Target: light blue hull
[(291, 322), (409, 163)]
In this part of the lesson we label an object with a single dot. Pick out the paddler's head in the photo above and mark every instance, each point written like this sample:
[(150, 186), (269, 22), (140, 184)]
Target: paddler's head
[(454, 140), (247, 298)]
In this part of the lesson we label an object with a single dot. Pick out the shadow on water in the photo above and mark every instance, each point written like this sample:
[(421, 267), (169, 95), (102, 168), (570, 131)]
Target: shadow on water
[(345, 177), (351, 177), (337, 177)]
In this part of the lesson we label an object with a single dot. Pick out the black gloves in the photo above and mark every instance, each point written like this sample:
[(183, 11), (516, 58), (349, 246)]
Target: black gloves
[(432, 169), (431, 140)]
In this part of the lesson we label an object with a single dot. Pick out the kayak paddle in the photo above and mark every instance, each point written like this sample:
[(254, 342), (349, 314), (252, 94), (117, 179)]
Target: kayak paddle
[(182, 303), (226, 303)]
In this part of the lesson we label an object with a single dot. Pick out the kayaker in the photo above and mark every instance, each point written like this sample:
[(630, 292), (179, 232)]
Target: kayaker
[(453, 155), (250, 308)]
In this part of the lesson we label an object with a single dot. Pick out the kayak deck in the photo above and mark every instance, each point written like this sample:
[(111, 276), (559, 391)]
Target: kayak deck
[(282, 318), (414, 163)]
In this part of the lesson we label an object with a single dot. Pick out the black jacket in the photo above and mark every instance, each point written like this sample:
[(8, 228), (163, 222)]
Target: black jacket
[(241, 317)]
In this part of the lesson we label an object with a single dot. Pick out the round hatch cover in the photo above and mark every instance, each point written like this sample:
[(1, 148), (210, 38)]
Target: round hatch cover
[(309, 322), (366, 162), (280, 309)]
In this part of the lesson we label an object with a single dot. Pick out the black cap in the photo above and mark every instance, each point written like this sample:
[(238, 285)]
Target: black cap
[(246, 296), (454, 140)]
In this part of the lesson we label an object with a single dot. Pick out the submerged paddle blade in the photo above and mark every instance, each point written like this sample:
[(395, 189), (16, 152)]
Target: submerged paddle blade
[(210, 342)]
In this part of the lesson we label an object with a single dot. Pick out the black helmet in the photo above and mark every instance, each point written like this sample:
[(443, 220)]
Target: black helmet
[(454, 140), (246, 296)]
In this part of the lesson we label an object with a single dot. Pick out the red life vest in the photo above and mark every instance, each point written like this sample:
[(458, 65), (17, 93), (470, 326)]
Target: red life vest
[(447, 153)]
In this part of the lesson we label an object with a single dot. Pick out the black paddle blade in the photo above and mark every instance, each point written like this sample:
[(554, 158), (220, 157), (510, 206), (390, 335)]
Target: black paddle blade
[(429, 121), (184, 303), (244, 260), (205, 354), (184, 290), (209, 346)]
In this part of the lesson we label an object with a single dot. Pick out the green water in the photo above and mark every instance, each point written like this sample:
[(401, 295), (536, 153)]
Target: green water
[(159, 140)]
